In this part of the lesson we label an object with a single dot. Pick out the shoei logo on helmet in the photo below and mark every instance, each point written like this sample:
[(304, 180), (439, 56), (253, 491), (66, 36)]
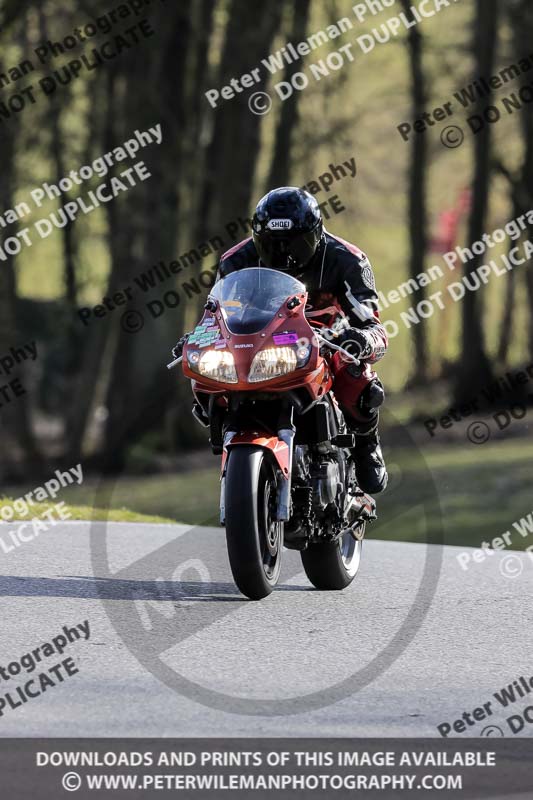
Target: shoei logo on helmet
[(279, 224)]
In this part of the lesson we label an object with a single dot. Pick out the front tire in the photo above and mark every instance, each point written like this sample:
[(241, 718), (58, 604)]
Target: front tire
[(254, 539), (333, 565)]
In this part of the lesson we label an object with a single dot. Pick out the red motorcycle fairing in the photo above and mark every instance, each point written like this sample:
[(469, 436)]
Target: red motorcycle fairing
[(212, 332)]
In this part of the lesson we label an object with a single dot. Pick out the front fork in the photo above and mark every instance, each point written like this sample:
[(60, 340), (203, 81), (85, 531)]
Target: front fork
[(281, 449), (284, 509)]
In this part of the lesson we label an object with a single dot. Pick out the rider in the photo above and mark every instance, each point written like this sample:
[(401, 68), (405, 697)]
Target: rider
[(288, 235)]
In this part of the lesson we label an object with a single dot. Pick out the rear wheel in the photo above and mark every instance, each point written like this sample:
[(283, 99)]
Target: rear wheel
[(254, 538), (333, 565)]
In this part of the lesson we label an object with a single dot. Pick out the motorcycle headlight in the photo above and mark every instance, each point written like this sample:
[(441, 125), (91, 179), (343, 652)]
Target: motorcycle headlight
[(303, 354), (272, 363), (219, 365)]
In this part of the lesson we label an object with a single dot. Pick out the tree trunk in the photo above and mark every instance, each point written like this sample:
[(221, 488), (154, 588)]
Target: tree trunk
[(507, 318), (19, 451), (520, 15), (97, 336), (417, 219), (145, 232), (522, 21), (57, 146), (234, 147), (280, 167), (474, 367)]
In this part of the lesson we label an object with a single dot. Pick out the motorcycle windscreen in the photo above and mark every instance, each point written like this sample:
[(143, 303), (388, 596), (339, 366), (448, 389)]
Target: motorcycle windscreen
[(250, 298)]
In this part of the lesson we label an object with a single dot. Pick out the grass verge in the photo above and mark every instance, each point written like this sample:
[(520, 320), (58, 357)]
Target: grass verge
[(477, 492), (81, 512)]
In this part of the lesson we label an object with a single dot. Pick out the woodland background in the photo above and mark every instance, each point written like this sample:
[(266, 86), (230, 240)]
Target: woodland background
[(102, 395)]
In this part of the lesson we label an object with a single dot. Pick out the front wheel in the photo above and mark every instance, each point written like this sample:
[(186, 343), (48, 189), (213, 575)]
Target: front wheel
[(254, 537), (333, 565)]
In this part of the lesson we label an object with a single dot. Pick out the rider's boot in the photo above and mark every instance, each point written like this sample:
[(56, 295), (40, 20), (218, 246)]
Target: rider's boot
[(370, 468)]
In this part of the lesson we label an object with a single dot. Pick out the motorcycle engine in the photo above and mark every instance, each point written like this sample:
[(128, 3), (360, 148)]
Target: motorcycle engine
[(326, 483)]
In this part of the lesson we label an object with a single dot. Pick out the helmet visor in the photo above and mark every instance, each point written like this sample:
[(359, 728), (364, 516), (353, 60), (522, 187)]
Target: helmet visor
[(286, 252)]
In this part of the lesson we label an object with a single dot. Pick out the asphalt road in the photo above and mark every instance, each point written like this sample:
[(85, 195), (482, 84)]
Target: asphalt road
[(175, 651)]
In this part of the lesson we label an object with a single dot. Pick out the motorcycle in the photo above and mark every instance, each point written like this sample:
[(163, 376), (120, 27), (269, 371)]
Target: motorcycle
[(261, 372)]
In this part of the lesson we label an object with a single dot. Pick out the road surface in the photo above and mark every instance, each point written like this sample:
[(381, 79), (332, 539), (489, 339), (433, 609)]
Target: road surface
[(174, 650)]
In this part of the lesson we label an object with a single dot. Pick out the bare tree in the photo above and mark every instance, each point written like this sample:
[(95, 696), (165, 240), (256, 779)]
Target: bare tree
[(280, 165), (19, 450), (417, 212), (234, 147), (521, 17), (474, 370)]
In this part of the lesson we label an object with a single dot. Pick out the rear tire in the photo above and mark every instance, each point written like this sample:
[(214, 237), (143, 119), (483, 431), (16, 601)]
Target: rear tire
[(333, 565), (254, 539)]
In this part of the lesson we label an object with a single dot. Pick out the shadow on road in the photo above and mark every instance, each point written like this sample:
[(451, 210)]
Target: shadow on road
[(114, 589)]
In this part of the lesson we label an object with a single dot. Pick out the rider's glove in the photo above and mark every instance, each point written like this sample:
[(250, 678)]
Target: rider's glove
[(355, 341), (177, 350)]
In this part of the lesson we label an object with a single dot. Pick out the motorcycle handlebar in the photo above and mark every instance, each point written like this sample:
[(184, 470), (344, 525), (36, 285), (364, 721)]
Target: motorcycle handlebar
[(346, 354), (175, 362)]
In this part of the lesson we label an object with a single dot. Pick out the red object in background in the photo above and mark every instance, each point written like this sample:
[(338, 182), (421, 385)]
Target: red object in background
[(448, 224)]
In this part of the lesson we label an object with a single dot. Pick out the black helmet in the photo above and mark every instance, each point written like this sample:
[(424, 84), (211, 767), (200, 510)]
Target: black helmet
[(287, 229)]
